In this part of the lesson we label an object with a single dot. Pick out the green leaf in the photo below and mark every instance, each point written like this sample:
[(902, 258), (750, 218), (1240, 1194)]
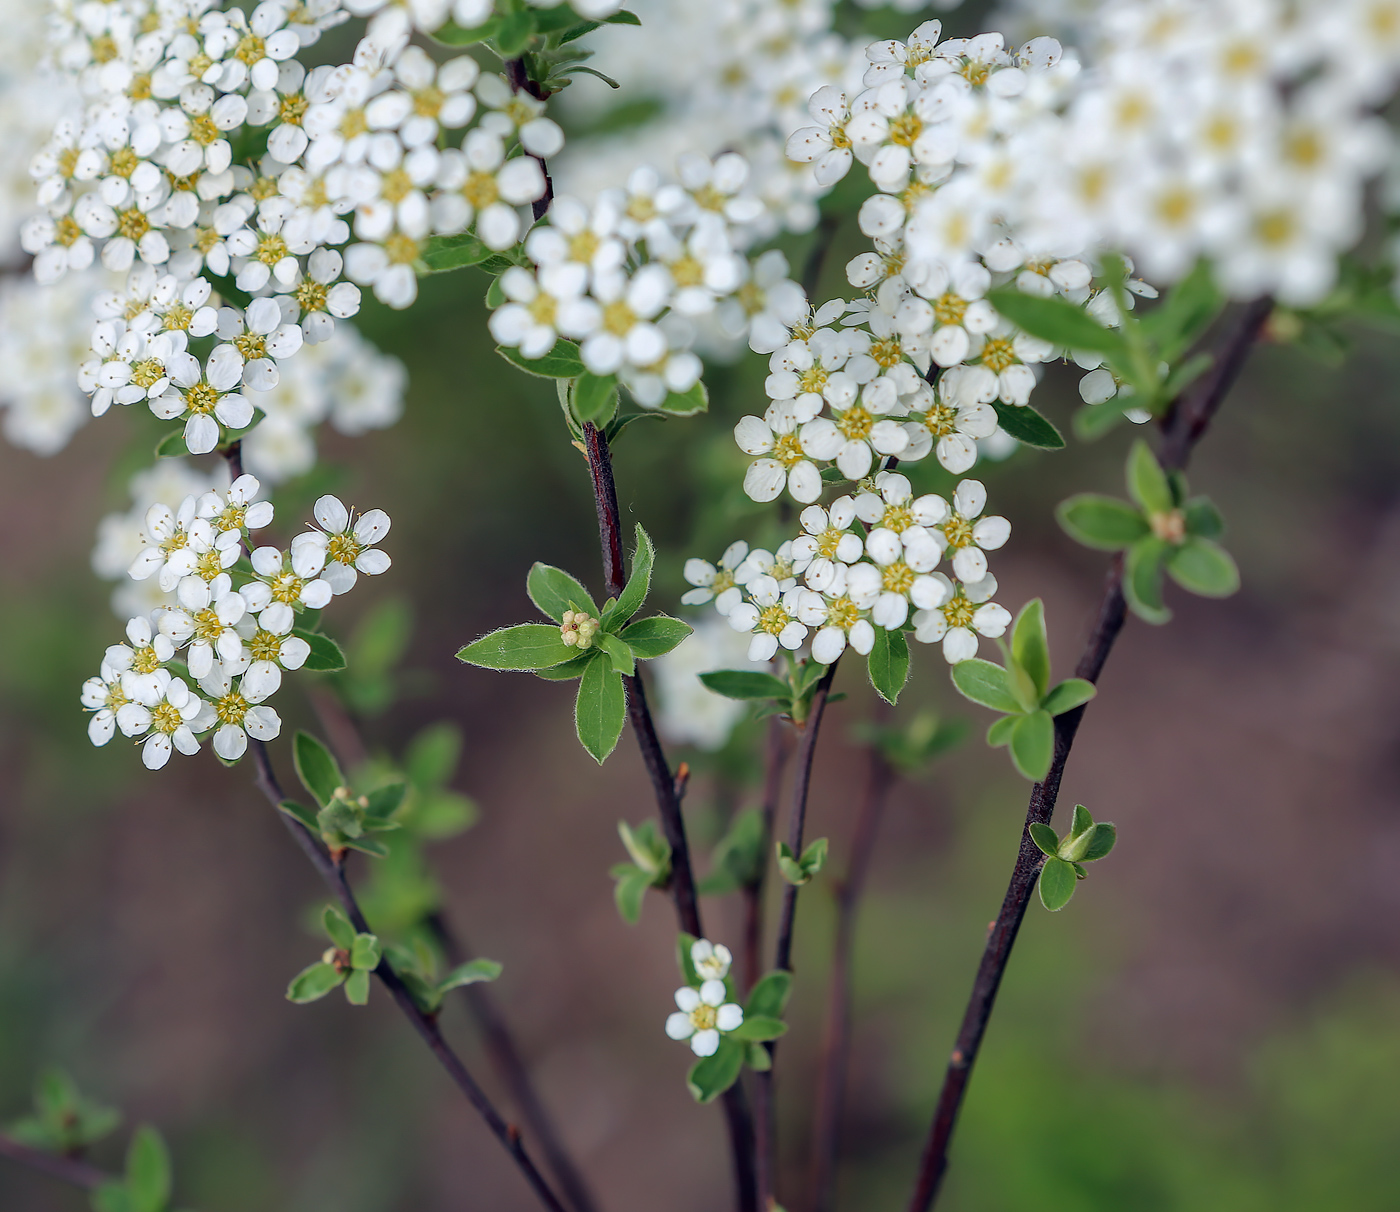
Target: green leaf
[(444, 253), (338, 928), (561, 362), (888, 664), (172, 445), (1205, 568), (1185, 313), (1098, 841), (1045, 838), (629, 891), (524, 646), (147, 1171), (684, 942), (364, 955), (746, 684), (1102, 522), (111, 1196), (304, 815), (572, 668), (471, 973), (1069, 694), (600, 710), (1058, 321), (367, 845), (1057, 880), (999, 733), (1081, 821), (1033, 745), (515, 32), (618, 653), (622, 17), (1028, 427), (634, 593), (1202, 518), (554, 591), (595, 398), (1147, 482), (1184, 375), (654, 637), (385, 801), (313, 983), (758, 1030), (985, 684), (789, 868), (357, 987), (325, 656), (769, 998), (686, 403), (711, 1077), (453, 34), (758, 1059), (318, 770), (1142, 580), (649, 850), (1030, 646)]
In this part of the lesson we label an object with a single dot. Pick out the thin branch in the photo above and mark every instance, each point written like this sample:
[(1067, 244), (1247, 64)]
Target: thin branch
[(425, 1024), (831, 1080), (513, 1073), (774, 762), (71, 1170), (664, 787), (1182, 427), (520, 81)]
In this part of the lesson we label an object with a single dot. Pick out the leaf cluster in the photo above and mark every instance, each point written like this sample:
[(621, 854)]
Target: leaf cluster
[(738, 857), (417, 966), (543, 38), (146, 1184), (650, 867), (799, 870), (349, 961), (1163, 531), (64, 1120), (1086, 842), (601, 706), (1022, 692), (911, 747), (343, 820)]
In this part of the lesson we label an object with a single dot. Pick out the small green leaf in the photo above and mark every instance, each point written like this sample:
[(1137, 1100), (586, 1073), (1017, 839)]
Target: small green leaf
[(572, 668), (758, 1059), (758, 1030), (443, 253), (496, 297), (594, 398), (338, 928), (1027, 426), (684, 942), (814, 856), (453, 34), (1147, 482), (1102, 522), (618, 654), (318, 770), (999, 733), (514, 33), (325, 656), (1033, 745), (172, 445), (1203, 519), (1045, 838), (686, 403), (1080, 821), (524, 646), (357, 987), (1069, 694), (1205, 568), (655, 636), (1062, 323), (888, 664), (1185, 313), (111, 1196), (1142, 580), (364, 955), (711, 1077), (385, 801), (1057, 880), (649, 850), (554, 591), (1030, 646), (471, 973), (367, 845), (147, 1171), (634, 593), (561, 362), (622, 17), (986, 684), (629, 891), (304, 815), (600, 710), (746, 684), (1099, 840), (313, 983), (1184, 375), (769, 997), (789, 868)]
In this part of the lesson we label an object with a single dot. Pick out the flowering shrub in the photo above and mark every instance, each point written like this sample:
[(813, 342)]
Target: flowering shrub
[(212, 194)]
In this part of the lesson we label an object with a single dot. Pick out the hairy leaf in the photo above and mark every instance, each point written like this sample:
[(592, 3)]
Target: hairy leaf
[(313, 983), (1028, 427), (524, 646), (1057, 881), (1033, 745), (1205, 568), (561, 362), (1031, 647), (711, 1077), (634, 593), (554, 591), (600, 710), (1046, 839), (1069, 694), (746, 684), (1147, 482), (1142, 580), (655, 636), (769, 997), (318, 770), (595, 398), (1102, 522), (986, 684), (325, 656), (888, 664)]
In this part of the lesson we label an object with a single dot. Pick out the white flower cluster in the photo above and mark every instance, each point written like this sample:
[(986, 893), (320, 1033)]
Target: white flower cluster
[(233, 620), (631, 275), (865, 561)]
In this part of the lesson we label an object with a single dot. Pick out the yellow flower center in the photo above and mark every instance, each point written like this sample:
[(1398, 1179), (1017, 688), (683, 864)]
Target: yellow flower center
[(773, 619), (641, 210), (543, 309), (140, 87), (165, 717), (687, 271), (724, 579), (201, 398), (813, 378), (200, 63), (207, 625), (618, 318), (311, 296), (897, 518), (147, 372), (133, 224), (1275, 227), (939, 420), (1174, 206), (480, 189), (67, 232), (958, 611), (251, 345), (144, 659), (264, 646), (905, 129), (286, 588), (264, 188), (231, 708), (704, 1018), (209, 565), (584, 245), (232, 517), (207, 240), (292, 108), (829, 540), (958, 531), (1304, 147), (842, 613), (787, 450), (203, 131), (709, 198), (353, 124), (271, 249), (251, 49), (856, 422), (68, 161), (887, 352), (123, 162), (897, 577), (427, 102), (949, 308), (396, 186), (974, 72), (104, 48), (999, 353), (116, 697), (178, 318), (184, 184), (343, 548), (402, 249)]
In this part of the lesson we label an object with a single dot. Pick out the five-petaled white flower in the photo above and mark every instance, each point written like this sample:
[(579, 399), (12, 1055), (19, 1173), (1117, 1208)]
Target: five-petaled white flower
[(208, 397), (237, 710), (711, 960), (718, 584), (703, 1017), (772, 616), (964, 613), (168, 719), (342, 549), (967, 535)]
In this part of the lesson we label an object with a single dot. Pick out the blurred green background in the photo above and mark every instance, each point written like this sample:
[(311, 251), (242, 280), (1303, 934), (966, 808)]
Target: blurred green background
[(1213, 1023)]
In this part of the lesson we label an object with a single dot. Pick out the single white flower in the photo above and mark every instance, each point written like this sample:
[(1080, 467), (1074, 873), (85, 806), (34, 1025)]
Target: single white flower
[(782, 461), (703, 1017), (717, 584), (968, 535), (828, 542), (711, 960), (344, 547), (285, 581), (139, 662), (168, 722), (838, 621), (771, 616), (208, 397), (236, 512), (238, 711), (209, 631), (104, 697), (964, 613)]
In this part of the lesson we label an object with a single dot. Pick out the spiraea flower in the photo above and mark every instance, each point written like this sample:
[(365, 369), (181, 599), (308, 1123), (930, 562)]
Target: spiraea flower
[(207, 397), (167, 717), (721, 584), (236, 512), (711, 960), (209, 631), (827, 542), (772, 617), (238, 712), (781, 463), (963, 613), (104, 697), (285, 581), (836, 620), (965, 533), (344, 547), (578, 629), (703, 1016)]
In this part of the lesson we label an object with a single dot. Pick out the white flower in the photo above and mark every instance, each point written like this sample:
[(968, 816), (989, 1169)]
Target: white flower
[(259, 336), (172, 542), (206, 396), (782, 463), (266, 652), (237, 710), (481, 184), (771, 616), (966, 534), (210, 630), (949, 428), (828, 542), (168, 721), (766, 307), (340, 551), (703, 1017), (838, 620), (541, 306), (104, 697), (718, 584), (963, 615), (285, 581), (234, 513), (624, 330), (853, 435), (826, 143), (711, 960)]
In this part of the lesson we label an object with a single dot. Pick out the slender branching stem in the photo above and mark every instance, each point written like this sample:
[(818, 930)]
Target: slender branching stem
[(775, 760), (831, 1073), (72, 1170), (520, 81), (425, 1024), (664, 787), (1183, 425)]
